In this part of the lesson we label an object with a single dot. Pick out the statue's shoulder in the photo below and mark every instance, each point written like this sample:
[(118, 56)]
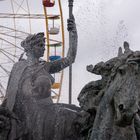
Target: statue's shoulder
[(19, 65), (46, 65), (20, 62)]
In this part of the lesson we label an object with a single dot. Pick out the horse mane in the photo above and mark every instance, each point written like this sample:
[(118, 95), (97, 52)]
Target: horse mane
[(119, 61)]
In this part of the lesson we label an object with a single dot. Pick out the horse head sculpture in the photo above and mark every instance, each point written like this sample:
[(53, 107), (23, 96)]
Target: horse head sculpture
[(126, 92), (119, 106)]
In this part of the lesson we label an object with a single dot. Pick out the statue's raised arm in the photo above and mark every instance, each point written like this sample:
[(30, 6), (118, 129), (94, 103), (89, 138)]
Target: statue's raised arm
[(60, 64)]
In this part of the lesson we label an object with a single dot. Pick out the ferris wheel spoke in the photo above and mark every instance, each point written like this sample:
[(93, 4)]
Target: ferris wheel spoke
[(7, 56), (6, 34), (8, 53), (5, 70), (19, 5), (3, 63), (14, 30), (11, 43), (1, 87), (23, 16)]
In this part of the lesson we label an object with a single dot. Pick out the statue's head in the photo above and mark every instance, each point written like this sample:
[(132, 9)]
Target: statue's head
[(125, 84), (34, 44), (86, 100), (89, 97)]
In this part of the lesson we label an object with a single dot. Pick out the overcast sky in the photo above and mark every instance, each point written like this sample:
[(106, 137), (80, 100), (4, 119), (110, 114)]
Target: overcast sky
[(102, 26)]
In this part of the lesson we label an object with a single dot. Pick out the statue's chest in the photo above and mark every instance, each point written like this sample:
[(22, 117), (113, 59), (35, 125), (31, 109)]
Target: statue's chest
[(29, 77)]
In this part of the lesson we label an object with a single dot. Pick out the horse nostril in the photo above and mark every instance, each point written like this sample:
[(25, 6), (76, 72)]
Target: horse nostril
[(121, 107)]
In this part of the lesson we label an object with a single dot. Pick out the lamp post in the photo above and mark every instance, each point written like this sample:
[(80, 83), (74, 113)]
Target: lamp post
[(70, 67)]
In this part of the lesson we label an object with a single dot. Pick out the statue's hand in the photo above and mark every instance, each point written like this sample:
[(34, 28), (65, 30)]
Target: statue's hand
[(71, 24), (90, 68)]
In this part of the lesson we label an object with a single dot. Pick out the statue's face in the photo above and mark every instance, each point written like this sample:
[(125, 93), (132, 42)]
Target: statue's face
[(38, 49)]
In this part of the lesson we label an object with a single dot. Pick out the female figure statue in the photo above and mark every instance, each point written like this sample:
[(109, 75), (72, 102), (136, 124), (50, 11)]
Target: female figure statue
[(29, 86)]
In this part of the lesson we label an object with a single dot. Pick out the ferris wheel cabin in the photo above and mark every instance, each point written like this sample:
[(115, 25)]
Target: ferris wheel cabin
[(48, 3)]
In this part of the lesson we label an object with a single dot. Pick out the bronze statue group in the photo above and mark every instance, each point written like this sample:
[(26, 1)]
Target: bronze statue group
[(109, 107)]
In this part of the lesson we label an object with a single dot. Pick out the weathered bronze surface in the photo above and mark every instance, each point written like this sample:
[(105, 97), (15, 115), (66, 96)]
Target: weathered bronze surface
[(109, 106), (28, 112), (113, 102)]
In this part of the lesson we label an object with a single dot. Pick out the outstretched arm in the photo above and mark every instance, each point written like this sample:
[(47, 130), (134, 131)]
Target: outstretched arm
[(59, 65)]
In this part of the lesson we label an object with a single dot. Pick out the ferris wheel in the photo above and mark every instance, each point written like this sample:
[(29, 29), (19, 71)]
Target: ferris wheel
[(19, 18)]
